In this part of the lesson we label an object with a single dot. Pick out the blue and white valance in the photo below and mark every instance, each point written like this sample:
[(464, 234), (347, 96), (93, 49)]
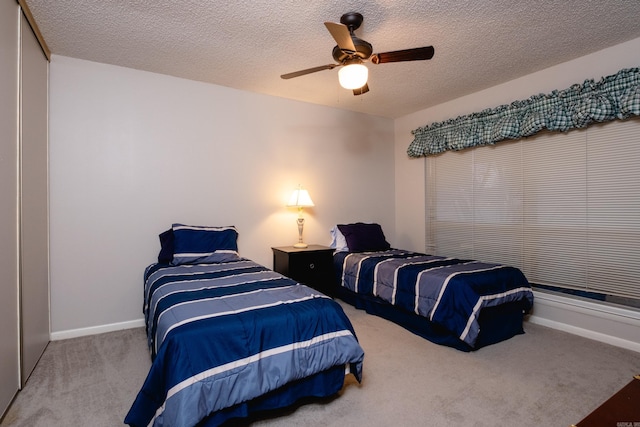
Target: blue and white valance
[(613, 97)]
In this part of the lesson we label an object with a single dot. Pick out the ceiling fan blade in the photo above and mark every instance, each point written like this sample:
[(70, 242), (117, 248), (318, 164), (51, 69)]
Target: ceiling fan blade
[(341, 35), (360, 91), (309, 71), (416, 54)]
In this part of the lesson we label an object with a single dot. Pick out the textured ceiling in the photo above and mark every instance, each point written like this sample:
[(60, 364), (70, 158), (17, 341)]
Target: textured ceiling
[(247, 45)]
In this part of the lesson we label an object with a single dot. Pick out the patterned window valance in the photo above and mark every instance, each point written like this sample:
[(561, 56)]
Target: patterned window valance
[(613, 97)]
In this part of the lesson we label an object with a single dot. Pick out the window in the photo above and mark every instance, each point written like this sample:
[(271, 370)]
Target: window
[(562, 207)]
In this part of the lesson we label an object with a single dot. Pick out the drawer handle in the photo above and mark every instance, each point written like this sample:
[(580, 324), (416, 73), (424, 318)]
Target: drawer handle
[(312, 266)]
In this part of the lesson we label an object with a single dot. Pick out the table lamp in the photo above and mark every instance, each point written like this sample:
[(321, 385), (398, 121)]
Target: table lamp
[(300, 199)]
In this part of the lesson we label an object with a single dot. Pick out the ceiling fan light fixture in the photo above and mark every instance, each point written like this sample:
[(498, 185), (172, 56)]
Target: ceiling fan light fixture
[(353, 76)]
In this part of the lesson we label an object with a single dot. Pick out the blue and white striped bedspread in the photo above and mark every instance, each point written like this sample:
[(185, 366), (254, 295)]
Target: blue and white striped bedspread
[(222, 334), (448, 291)]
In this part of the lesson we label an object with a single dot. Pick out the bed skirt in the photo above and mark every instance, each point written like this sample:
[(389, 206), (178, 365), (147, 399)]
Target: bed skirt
[(496, 323), (323, 384)]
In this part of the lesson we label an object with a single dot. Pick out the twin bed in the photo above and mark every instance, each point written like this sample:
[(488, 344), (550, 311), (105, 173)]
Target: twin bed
[(229, 337), (465, 304)]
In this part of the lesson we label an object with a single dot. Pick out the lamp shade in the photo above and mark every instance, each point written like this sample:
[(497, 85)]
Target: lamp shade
[(300, 198), (353, 76)]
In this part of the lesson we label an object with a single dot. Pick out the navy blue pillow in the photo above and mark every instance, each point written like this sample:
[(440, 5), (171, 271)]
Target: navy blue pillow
[(363, 237), (199, 244), (166, 247)]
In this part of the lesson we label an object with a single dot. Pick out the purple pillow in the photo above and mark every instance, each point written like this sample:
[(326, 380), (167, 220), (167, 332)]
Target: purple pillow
[(363, 237)]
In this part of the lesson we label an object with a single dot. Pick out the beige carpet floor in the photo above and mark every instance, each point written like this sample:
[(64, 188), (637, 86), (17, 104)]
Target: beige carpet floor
[(542, 378)]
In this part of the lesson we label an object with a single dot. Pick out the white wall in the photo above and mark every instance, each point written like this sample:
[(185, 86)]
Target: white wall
[(131, 152)]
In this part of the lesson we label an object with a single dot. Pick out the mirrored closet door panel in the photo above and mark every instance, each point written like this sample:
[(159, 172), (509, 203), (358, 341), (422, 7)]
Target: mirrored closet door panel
[(34, 181), (9, 340)]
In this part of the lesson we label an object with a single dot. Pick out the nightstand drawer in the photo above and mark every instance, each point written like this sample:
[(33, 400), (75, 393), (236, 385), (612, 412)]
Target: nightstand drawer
[(306, 266), (312, 266)]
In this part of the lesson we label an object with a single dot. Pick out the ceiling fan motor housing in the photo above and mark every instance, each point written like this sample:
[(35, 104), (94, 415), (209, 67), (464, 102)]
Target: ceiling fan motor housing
[(363, 50)]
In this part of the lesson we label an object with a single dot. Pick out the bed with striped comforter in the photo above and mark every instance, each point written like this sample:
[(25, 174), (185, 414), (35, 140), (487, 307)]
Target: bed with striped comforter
[(230, 338), (448, 292)]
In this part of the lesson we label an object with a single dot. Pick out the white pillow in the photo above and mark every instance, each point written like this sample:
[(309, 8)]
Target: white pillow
[(338, 241)]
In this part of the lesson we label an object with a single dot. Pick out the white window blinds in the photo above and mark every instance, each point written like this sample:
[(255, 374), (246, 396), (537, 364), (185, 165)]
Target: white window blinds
[(563, 207)]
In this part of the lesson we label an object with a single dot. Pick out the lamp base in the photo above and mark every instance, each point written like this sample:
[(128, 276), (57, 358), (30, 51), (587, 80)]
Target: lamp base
[(300, 245)]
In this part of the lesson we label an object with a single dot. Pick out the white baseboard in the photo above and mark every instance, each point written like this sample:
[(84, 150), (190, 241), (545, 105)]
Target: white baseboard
[(600, 321), (93, 330), (608, 323)]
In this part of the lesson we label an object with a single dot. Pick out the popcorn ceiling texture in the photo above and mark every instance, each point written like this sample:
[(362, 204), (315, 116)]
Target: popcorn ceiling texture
[(247, 45)]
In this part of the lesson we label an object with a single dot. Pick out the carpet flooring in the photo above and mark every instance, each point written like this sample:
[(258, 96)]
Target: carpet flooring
[(542, 378)]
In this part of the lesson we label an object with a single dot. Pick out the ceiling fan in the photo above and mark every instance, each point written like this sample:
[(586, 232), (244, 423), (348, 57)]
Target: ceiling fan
[(351, 52)]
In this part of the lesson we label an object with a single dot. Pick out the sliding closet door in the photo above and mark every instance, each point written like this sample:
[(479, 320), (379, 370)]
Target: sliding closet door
[(34, 225), (9, 342)]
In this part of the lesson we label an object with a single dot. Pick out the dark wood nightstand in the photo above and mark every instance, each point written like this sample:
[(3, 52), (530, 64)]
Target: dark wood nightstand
[(312, 266)]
